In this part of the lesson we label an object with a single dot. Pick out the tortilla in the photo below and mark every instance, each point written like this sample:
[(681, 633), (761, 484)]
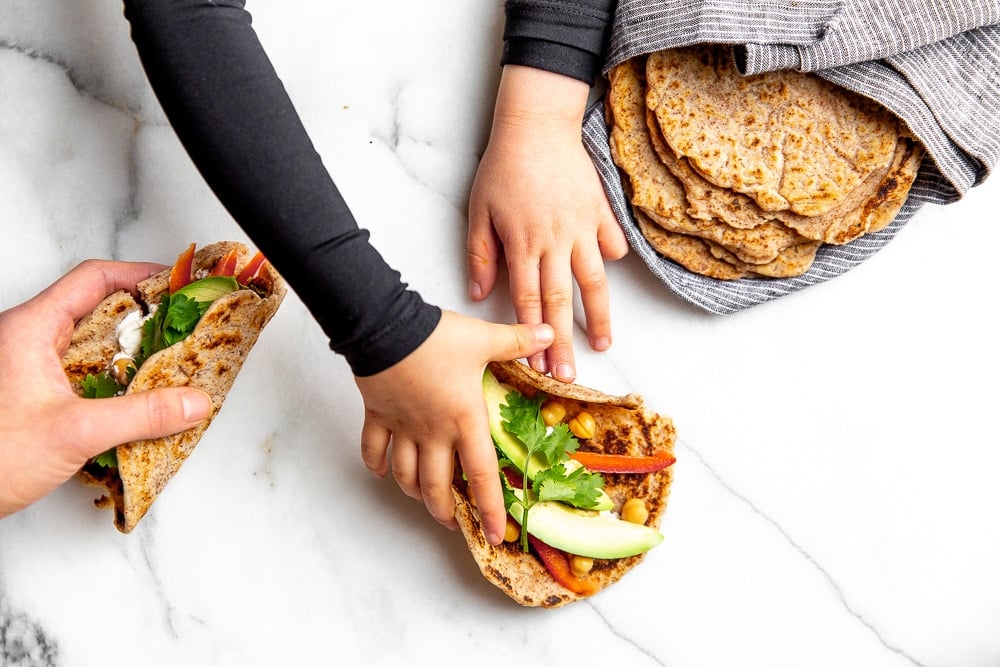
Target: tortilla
[(791, 140), (623, 426), (657, 193), (210, 358)]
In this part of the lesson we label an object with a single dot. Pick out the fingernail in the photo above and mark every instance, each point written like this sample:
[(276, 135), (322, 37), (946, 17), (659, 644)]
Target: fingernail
[(475, 290), (494, 539), (601, 344), (545, 334), (564, 372), (196, 405), (538, 363)]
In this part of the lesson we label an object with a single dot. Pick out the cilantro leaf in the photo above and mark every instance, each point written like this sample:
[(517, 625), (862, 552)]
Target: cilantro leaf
[(182, 316), (580, 488), (559, 442), (108, 459), (99, 386), (522, 419), (152, 331)]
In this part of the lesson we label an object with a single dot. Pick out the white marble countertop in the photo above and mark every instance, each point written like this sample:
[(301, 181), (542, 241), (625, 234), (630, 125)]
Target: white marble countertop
[(835, 490)]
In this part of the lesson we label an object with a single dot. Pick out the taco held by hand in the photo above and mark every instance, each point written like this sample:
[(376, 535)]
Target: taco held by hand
[(586, 478), (193, 324)]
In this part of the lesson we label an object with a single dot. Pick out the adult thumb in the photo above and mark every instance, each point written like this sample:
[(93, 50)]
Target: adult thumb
[(144, 415), (515, 341)]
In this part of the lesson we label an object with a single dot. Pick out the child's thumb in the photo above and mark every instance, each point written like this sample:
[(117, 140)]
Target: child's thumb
[(515, 341)]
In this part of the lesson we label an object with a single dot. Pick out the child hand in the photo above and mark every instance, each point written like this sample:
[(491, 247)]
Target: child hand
[(430, 405), (537, 193)]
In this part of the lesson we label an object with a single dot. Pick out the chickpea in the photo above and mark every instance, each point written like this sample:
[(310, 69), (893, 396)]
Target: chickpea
[(512, 531), (119, 370), (583, 426), (634, 511), (580, 565), (553, 412)]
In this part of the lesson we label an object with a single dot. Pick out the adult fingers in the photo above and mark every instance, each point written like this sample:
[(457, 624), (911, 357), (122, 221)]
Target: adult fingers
[(103, 423), (80, 291)]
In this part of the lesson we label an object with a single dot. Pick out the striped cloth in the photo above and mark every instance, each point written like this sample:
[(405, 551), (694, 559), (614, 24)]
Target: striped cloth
[(934, 63)]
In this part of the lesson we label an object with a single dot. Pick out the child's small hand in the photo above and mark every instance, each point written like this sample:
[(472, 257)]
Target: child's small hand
[(537, 193), (430, 405)]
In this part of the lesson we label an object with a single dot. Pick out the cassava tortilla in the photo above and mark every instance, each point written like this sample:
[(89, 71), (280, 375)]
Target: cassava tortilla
[(623, 426), (210, 358)]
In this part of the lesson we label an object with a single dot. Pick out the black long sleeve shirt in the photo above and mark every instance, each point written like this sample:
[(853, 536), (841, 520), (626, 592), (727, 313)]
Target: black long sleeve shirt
[(564, 36), (236, 121), (233, 116)]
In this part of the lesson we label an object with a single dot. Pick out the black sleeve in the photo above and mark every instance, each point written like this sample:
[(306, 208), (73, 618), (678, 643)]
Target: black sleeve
[(564, 36), (236, 121)]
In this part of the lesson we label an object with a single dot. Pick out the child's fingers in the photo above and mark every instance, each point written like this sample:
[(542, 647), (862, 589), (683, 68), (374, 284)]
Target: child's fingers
[(588, 268), (436, 470), (557, 307), (374, 445), (482, 256), (405, 470)]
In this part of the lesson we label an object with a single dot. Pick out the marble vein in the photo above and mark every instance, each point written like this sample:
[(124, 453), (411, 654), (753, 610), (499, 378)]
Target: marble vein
[(835, 587), (617, 633), (23, 642)]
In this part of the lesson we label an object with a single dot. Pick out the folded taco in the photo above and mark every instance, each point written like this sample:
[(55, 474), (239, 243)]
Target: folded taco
[(191, 325), (586, 478)]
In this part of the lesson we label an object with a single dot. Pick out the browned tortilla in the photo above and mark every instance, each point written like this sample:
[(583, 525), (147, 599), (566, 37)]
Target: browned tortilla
[(210, 359), (624, 426)]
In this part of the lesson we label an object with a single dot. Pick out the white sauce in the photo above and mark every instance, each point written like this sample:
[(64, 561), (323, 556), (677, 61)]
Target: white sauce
[(129, 332)]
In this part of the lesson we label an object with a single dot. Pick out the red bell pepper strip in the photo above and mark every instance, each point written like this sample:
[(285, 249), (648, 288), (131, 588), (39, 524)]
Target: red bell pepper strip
[(557, 563), (252, 268), (623, 463), (226, 266), (514, 478), (182, 273)]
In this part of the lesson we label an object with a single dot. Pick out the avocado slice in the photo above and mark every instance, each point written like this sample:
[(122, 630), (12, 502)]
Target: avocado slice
[(585, 533), (496, 395), (209, 289)]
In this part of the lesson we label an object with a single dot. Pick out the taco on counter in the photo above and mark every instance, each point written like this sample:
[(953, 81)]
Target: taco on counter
[(586, 478), (192, 325)]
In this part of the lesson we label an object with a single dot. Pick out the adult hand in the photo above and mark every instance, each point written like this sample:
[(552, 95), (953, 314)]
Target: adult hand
[(537, 193), (430, 405), (47, 432)]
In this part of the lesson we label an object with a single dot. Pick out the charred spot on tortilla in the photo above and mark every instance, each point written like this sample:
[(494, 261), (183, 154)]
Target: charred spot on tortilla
[(209, 357)]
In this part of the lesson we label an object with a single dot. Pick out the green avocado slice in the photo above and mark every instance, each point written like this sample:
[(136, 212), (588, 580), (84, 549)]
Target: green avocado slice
[(496, 395), (585, 533), (209, 289)]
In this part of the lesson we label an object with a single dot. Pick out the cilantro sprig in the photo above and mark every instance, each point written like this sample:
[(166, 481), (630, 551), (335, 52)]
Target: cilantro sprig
[(101, 385), (580, 488), (173, 321)]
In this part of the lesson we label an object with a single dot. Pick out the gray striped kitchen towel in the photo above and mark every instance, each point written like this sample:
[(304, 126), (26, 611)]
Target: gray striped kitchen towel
[(934, 63)]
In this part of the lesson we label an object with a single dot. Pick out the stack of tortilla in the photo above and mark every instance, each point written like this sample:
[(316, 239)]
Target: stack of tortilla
[(736, 176)]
